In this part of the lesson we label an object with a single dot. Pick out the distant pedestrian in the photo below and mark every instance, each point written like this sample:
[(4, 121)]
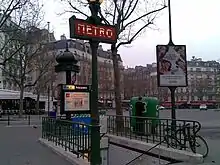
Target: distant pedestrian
[(140, 108), (54, 108)]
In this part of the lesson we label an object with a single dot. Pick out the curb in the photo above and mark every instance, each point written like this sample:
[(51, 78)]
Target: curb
[(13, 126), (168, 154), (70, 157)]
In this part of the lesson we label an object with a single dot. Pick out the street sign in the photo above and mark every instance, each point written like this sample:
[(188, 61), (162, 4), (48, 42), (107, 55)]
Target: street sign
[(82, 29)]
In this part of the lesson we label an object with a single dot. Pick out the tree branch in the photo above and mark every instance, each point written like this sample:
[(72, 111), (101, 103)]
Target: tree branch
[(77, 9), (6, 15), (12, 55), (116, 6), (103, 18), (134, 36), (12, 76), (141, 17), (127, 14)]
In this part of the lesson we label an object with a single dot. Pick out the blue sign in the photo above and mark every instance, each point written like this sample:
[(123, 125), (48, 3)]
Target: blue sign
[(52, 114), (80, 129)]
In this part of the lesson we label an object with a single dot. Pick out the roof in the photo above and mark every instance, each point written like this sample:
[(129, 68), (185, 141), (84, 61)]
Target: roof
[(197, 63), (79, 45)]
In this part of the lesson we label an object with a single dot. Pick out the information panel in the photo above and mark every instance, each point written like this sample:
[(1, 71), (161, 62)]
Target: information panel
[(76, 101)]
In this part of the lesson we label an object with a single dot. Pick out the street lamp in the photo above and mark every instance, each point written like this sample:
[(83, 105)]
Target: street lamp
[(94, 6)]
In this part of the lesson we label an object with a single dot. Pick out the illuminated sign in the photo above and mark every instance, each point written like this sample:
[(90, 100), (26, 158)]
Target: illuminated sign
[(81, 29), (76, 101), (81, 87), (75, 87), (69, 87)]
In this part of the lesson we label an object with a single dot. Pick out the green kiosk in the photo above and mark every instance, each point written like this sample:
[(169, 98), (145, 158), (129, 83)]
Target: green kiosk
[(152, 111)]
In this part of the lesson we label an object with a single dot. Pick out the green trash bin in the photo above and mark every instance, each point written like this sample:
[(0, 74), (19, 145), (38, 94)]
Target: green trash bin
[(151, 111)]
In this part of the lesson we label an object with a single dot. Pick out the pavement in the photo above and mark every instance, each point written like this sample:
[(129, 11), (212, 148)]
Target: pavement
[(20, 146), (210, 121)]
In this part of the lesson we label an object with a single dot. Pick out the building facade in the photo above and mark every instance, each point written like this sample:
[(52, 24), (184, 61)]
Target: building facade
[(82, 52), (202, 83)]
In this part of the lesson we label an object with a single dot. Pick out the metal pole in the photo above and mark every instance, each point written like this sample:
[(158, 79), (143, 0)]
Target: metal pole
[(68, 81), (48, 101), (170, 24), (48, 28), (95, 131), (8, 118), (173, 110), (172, 89)]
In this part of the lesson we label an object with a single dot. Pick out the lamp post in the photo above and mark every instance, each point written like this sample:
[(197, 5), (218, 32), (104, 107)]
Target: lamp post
[(48, 100), (94, 6), (98, 33), (172, 89), (68, 64)]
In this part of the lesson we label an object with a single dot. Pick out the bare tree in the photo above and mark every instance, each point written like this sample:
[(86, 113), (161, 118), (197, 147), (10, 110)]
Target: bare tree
[(200, 85), (44, 72), (8, 10), (126, 15), (131, 18), (26, 44)]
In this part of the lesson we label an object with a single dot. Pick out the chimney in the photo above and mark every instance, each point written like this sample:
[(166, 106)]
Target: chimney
[(100, 47), (63, 37)]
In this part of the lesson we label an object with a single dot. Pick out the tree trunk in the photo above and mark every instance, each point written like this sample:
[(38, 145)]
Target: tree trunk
[(21, 102), (119, 111), (38, 102)]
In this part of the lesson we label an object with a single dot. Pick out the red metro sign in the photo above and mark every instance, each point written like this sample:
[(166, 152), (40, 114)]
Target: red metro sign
[(81, 29)]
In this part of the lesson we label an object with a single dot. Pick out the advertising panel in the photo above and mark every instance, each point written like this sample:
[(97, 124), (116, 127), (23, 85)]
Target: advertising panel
[(76, 101), (171, 66)]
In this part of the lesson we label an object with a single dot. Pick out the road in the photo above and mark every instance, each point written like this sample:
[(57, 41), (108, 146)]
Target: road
[(210, 121), (17, 143), (19, 146)]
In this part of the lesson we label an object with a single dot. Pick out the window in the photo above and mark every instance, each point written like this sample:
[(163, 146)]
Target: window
[(184, 90), (198, 69), (4, 84)]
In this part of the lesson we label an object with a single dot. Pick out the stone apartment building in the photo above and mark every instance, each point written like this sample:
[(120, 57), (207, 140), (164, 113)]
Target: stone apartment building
[(202, 83), (82, 53)]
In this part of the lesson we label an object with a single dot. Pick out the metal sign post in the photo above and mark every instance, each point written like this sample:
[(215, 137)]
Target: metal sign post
[(171, 66), (95, 31)]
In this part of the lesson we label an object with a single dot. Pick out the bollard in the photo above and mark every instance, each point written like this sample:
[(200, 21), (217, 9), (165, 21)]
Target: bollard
[(29, 119), (8, 118)]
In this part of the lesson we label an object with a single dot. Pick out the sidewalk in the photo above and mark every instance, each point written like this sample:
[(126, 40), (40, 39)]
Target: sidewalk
[(20, 146), (193, 164)]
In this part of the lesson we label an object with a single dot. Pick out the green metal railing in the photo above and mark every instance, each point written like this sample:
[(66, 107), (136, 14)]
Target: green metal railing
[(72, 136), (154, 130)]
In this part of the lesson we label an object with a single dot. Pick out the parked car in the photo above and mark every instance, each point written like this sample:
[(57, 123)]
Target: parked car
[(161, 108), (203, 107)]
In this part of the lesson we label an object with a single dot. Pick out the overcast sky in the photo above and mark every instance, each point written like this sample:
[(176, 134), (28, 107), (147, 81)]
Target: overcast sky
[(195, 24)]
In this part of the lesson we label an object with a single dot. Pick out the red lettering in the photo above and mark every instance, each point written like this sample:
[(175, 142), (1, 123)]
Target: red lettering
[(101, 32), (109, 33), (81, 28), (88, 30)]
